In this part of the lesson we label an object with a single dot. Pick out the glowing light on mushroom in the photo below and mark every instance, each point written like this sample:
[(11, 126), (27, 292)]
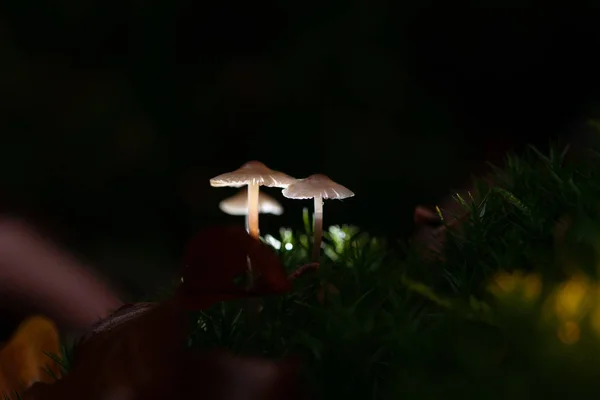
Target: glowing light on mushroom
[(318, 187), (252, 174), (238, 205)]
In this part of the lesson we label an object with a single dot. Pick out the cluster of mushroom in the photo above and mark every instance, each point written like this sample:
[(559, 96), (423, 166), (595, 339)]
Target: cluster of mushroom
[(250, 201)]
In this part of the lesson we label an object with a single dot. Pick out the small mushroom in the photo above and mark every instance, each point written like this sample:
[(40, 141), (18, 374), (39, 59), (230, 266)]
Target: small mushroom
[(238, 205), (253, 174), (317, 187)]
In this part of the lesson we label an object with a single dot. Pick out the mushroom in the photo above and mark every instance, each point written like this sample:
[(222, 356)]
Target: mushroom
[(254, 174), (238, 205), (318, 187)]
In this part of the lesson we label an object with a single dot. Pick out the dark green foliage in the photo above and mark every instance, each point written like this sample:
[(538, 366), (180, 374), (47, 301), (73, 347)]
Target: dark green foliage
[(64, 360), (352, 341), (386, 335), (513, 311)]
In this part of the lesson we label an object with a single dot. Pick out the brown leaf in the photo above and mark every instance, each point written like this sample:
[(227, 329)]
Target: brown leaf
[(118, 361), (229, 377), (139, 352)]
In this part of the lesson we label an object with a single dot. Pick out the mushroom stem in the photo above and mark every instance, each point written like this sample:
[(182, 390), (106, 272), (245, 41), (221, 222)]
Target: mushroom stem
[(253, 190), (318, 229)]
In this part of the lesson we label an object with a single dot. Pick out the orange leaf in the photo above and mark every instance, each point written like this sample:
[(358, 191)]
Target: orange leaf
[(27, 357)]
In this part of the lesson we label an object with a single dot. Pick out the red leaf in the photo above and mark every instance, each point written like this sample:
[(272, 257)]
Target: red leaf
[(216, 257)]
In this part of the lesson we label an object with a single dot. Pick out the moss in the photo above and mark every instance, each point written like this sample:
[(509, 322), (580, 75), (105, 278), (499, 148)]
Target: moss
[(483, 323)]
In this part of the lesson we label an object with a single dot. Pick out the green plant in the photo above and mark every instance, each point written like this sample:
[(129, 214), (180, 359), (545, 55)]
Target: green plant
[(512, 310), (386, 334)]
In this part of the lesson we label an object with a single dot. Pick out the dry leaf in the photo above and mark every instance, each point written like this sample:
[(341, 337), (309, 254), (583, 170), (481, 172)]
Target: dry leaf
[(27, 357), (139, 352), (229, 377)]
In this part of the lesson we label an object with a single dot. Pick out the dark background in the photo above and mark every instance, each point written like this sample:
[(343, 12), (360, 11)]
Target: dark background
[(114, 115)]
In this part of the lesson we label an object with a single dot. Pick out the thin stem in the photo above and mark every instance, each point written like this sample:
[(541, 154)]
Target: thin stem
[(318, 229), (252, 305), (253, 190), (249, 275)]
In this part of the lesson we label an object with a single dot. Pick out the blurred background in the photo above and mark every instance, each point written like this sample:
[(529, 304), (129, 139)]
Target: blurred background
[(114, 115)]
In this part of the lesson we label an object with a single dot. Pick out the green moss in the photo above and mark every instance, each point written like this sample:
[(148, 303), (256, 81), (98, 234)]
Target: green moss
[(511, 312), (404, 328)]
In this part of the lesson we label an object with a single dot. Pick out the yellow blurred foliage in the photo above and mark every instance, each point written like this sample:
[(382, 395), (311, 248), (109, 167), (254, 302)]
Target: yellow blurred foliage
[(594, 317), (25, 359), (527, 286), (504, 283), (572, 299), (569, 332), (532, 287)]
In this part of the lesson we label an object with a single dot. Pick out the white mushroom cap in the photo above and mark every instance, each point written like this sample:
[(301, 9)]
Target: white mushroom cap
[(252, 172), (238, 204), (316, 186)]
